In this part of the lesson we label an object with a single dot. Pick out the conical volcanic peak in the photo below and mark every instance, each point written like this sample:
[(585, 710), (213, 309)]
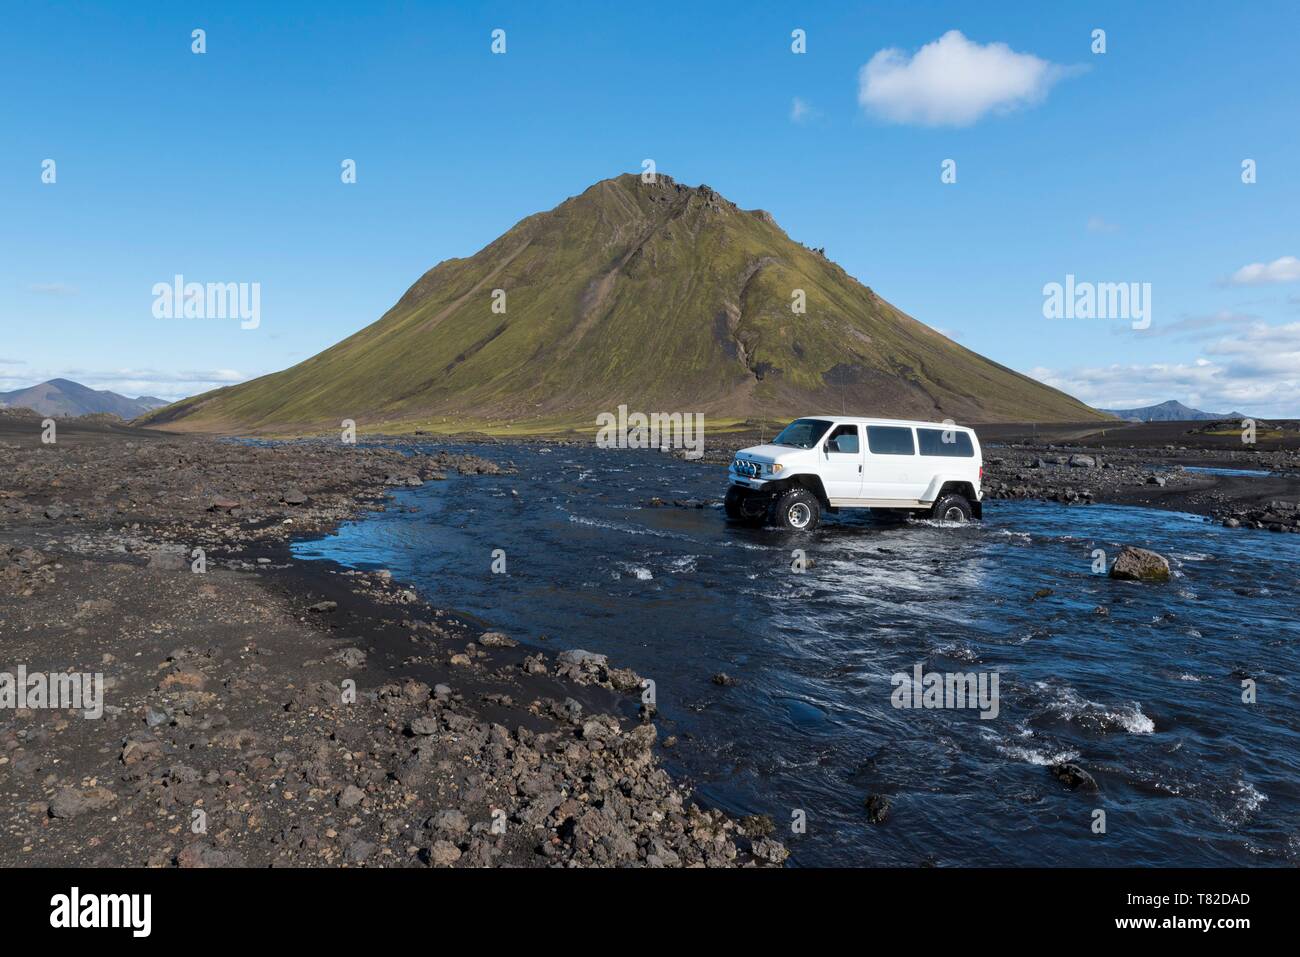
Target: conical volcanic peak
[(655, 295)]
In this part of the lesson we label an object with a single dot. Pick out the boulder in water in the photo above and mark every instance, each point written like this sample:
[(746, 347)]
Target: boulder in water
[(1073, 776), (1140, 565)]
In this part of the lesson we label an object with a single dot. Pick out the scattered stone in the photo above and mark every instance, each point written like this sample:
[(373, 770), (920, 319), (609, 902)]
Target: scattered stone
[(69, 802), (351, 657), (443, 854), (425, 725), (878, 807), (1140, 564), (770, 851), (450, 821), (1073, 776)]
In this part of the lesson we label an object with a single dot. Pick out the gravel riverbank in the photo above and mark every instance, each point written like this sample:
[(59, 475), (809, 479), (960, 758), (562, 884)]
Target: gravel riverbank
[(262, 711)]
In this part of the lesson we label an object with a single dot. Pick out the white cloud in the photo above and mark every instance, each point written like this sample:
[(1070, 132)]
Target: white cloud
[(1285, 269), (954, 81), (1191, 327), (1256, 372), (801, 111)]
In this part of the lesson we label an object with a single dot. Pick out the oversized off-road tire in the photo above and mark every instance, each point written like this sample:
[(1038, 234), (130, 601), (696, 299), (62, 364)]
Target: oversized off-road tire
[(796, 510), (952, 508), (740, 509), (732, 504)]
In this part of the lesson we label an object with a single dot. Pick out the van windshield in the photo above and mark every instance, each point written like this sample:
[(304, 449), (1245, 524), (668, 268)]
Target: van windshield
[(802, 433)]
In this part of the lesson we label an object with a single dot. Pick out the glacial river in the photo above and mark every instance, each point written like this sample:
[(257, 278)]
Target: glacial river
[(1147, 696)]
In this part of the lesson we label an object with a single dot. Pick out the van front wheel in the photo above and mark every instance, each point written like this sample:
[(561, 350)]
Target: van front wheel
[(951, 508), (797, 510)]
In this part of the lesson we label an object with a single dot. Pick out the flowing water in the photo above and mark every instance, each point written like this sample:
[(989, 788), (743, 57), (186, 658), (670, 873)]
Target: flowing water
[(1147, 698)]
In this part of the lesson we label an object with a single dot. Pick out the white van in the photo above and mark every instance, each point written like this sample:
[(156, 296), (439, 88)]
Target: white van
[(829, 462)]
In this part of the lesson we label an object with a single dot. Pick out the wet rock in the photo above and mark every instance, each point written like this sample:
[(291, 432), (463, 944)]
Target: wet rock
[(584, 667), (588, 668), (723, 679), (1082, 462), (323, 607), (878, 807), (1073, 776), (496, 639), (770, 851), (1140, 564)]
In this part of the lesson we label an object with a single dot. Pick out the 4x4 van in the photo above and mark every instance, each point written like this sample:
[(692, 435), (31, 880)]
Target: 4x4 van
[(825, 463)]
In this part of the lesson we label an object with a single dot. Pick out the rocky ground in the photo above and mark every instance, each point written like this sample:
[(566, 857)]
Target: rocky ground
[(263, 711), (1154, 477)]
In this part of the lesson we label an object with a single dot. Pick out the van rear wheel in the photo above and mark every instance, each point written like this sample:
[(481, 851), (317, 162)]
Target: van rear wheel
[(796, 510), (952, 509)]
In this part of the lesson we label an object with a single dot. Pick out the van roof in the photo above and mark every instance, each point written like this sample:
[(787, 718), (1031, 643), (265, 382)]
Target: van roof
[(911, 423)]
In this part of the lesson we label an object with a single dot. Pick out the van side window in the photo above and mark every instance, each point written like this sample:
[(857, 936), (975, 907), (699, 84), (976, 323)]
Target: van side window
[(844, 440), (890, 440), (932, 443)]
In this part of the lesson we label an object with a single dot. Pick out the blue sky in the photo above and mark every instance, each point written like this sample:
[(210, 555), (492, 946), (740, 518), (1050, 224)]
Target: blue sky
[(225, 167)]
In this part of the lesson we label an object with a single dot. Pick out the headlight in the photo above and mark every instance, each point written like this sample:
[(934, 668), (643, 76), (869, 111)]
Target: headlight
[(777, 468)]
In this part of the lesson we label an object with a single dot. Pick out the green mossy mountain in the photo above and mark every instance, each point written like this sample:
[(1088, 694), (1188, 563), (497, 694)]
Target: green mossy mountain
[(658, 296)]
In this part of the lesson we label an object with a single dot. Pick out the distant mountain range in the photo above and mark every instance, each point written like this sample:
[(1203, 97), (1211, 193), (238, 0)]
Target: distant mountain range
[(655, 295), (1170, 411), (65, 398)]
